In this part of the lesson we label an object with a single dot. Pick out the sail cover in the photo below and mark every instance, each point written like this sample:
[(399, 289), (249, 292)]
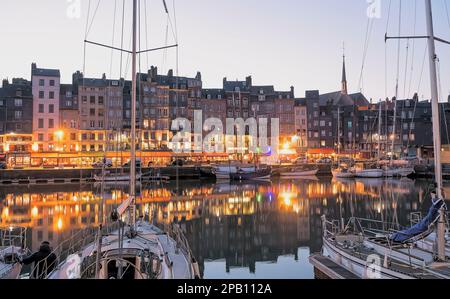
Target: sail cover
[(421, 227)]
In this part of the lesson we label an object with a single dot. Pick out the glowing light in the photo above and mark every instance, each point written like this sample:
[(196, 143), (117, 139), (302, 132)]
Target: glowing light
[(34, 212), (286, 146), (35, 147), (59, 224), (59, 134), (287, 198), (5, 212), (6, 148), (259, 197)]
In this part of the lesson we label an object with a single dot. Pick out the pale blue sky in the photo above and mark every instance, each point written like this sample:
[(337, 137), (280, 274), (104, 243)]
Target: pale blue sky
[(279, 42)]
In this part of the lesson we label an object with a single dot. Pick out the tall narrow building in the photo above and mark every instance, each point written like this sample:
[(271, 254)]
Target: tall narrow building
[(46, 91)]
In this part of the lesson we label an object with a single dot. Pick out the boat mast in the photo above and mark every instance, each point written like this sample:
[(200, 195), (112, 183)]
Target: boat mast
[(436, 126), (132, 210), (379, 131)]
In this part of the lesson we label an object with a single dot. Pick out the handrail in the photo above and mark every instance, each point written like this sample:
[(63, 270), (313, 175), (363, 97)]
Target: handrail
[(69, 246)]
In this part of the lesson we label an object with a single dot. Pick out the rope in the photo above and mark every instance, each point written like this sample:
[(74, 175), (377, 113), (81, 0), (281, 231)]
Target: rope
[(413, 47), (113, 38), (394, 131), (369, 28), (440, 94), (121, 39), (146, 33), (93, 17), (385, 53)]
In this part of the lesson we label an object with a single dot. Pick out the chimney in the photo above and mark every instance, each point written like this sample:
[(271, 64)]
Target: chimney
[(224, 81), (33, 66), (292, 92), (5, 83), (248, 81), (170, 73), (104, 77), (198, 76)]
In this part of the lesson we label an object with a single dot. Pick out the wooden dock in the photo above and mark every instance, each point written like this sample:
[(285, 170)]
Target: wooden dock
[(325, 268)]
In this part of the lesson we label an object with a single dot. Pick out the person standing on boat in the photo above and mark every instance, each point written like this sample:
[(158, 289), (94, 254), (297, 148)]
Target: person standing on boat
[(44, 261)]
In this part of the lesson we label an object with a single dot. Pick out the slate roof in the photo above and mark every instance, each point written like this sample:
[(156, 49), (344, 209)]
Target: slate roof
[(45, 72)]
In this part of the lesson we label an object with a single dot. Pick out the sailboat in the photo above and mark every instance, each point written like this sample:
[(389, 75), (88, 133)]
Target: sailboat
[(136, 249), (343, 171), (12, 249), (367, 250)]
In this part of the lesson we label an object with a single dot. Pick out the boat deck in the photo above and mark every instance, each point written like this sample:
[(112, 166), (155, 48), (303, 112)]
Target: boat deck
[(330, 268), (363, 253)]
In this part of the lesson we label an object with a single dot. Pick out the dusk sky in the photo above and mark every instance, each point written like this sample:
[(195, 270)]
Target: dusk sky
[(284, 43)]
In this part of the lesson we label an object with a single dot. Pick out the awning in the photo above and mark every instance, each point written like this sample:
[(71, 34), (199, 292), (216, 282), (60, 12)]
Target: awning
[(321, 151)]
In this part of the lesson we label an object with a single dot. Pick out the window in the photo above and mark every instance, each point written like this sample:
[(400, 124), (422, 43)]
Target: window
[(100, 124), (92, 112), (51, 108), (40, 137), (322, 123), (41, 108), (41, 82), (350, 124), (84, 99), (100, 100), (92, 124), (18, 102), (405, 126), (41, 94), (52, 82), (40, 123), (17, 114), (100, 147), (51, 123), (51, 95), (92, 136), (92, 148), (323, 143), (73, 136), (84, 136), (100, 136), (92, 100), (50, 137), (83, 147)]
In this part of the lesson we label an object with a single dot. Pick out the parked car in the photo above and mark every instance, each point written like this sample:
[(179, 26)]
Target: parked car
[(105, 162), (3, 165)]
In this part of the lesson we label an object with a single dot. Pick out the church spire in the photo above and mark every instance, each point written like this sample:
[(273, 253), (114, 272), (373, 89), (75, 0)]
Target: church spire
[(344, 76)]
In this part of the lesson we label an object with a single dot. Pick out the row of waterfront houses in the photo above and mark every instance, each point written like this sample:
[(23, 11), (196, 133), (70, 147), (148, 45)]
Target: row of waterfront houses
[(94, 114)]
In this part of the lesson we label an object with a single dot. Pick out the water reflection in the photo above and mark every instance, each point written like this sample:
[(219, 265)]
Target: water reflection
[(235, 231)]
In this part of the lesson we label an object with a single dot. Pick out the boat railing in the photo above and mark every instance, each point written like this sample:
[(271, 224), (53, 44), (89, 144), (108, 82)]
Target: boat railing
[(68, 247), (13, 236), (176, 232)]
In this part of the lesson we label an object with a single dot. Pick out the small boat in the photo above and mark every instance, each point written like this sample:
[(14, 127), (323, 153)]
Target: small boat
[(223, 172), (397, 171), (344, 173), (259, 174), (298, 172)]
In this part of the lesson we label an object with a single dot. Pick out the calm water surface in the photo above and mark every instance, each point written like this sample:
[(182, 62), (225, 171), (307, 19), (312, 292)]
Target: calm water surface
[(255, 230)]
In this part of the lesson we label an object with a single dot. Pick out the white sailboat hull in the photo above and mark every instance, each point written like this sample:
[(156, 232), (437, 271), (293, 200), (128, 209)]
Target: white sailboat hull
[(358, 266), (369, 173), (343, 175), (398, 172), (295, 173)]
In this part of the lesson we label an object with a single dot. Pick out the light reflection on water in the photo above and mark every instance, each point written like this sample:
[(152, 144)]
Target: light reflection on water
[(256, 230)]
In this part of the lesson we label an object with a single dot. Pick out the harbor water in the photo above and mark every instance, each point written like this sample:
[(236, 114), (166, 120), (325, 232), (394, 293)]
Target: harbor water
[(248, 230)]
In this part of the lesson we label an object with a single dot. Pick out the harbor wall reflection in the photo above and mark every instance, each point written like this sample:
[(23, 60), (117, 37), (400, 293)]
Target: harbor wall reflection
[(241, 224)]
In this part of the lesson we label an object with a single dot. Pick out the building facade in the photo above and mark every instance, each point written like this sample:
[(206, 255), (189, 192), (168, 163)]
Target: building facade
[(46, 91)]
